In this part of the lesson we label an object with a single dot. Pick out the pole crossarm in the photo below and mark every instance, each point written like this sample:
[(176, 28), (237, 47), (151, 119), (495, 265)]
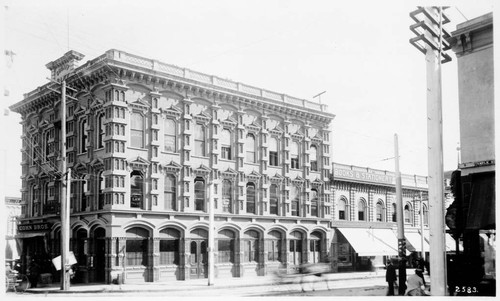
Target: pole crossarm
[(427, 29)]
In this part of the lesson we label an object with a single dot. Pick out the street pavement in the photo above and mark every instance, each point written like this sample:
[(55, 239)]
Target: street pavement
[(340, 284)]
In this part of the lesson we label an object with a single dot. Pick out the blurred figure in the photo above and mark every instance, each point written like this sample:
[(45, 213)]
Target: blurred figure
[(415, 284)]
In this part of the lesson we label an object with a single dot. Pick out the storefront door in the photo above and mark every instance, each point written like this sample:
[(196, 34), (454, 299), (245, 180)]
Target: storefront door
[(199, 259)]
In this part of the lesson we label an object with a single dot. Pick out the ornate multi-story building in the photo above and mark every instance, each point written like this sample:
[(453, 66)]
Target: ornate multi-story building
[(148, 144)]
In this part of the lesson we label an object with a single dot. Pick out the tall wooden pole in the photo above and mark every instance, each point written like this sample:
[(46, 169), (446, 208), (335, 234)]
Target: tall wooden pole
[(399, 202), (435, 166), (422, 226), (211, 237), (65, 283)]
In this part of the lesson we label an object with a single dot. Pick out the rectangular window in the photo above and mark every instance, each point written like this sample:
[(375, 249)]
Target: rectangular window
[(273, 158), (225, 251), (136, 252), (226, 153), (169, 251), (199, 140), (294, 163), (137, 130), (342, 215)]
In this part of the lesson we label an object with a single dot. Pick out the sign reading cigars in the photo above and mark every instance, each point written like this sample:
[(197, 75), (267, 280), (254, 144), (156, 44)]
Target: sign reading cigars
[(33, 227)]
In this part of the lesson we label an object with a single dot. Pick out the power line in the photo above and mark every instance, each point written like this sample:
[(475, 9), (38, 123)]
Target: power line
[(461, 13)]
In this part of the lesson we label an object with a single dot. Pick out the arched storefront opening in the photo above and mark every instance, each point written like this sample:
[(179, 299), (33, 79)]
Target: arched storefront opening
[(80, 250), (295, 248), (226, 241), (251, 252), (198, 254), (99, 260), (275, 247), (136, 254), (315, 247), (170, 253)]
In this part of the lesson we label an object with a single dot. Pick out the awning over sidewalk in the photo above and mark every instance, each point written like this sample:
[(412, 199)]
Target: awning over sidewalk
[(415, 240), (449, 242), (371, 242)]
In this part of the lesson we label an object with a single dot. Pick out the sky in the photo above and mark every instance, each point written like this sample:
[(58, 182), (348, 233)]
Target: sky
[(356, 51)]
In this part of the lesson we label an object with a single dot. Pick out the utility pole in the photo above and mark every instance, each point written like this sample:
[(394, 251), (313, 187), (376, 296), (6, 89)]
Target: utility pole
[(422, 225), (65, 192), (211, 238), (399, 202), (430, 41), (400, 221)]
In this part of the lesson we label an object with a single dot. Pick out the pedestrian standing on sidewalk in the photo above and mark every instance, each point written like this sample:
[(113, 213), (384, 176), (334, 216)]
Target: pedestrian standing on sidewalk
[(390, 277)]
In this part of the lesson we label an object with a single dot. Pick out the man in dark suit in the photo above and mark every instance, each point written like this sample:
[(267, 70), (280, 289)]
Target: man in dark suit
[(390, 277)]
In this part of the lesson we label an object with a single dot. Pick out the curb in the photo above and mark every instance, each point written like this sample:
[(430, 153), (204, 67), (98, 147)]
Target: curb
[(112, 288)]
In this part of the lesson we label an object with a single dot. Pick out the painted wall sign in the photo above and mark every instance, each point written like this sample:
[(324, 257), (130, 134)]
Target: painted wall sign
[(34, 227), (362, 176)]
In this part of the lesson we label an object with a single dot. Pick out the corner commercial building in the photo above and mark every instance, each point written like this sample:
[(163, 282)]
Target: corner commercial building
[(150, 143)]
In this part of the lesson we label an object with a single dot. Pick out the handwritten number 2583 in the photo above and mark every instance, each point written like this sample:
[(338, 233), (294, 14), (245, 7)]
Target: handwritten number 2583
[(465, 289)]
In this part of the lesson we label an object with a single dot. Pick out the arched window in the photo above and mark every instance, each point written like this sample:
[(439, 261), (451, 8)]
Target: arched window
[(100, 130), (314, 203), (225, 142), (408, 214), (136, 248), (294, 155), (199, 139), (361, 210), (394, 213), (426, 214), (225, 246), (170, 137), (295, 200), (296, 248), (34, 151), (199, 194), (251, 198), (137, 130), (380, 211), (169, 192), (313, 157), (84, 189), (274, 246), (251, 250), (250, 148), (273, 152), (273, 199), (83, 136), (136, 189), (47, 145), (169, 246), (315, 247), (342, 209), (101, 191), (227, 196)]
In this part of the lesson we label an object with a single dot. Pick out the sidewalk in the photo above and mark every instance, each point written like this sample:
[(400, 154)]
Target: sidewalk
[(191, 284)]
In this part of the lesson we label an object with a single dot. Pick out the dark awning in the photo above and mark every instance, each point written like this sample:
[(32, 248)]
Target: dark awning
[(481, 213), (29, 234)]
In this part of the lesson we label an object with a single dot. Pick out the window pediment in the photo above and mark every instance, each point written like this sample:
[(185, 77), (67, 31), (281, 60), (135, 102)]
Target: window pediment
[(172, 111), (298, 181), (202, 170), (255, 176), (277, 179), (317, 183), (138, 163), (230, 173), (171, 167)]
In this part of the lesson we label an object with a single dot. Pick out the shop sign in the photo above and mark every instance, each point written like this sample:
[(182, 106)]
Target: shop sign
[(136, 201), (33, 227), (362, 176)]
